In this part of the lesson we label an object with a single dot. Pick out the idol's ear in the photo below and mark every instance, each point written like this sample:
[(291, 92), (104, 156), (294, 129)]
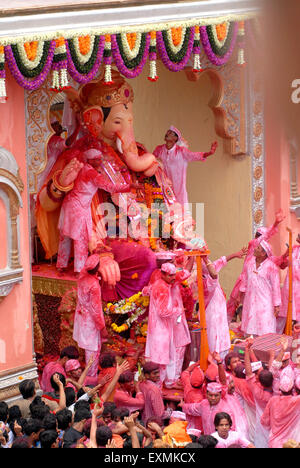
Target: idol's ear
[(93, 120)]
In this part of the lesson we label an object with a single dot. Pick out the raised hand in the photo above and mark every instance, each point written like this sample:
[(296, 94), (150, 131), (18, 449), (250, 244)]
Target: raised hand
[(70, 172), (242, 253), (279, 217), (213, 148)]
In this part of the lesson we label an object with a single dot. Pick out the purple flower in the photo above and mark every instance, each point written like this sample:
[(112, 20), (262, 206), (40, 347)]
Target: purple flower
[(213, 58)]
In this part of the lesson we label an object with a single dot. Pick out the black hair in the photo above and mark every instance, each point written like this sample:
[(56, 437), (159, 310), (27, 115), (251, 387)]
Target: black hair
[(14, 413), (70, 396), (228, 358), (82, 413), (39, 411), (107, 360), (20, 442), (193, 445), (3, 411), (266, 378), (207, 441), (20, 421), (64, 419), (239, 371), (103, 435), (109, 406), (50, 422), (94, 270), (69, 351), (27, 388), (124, 413), (126, 377), (32, 426), (47, 438), (82, 404), (220, 416), (61, 378), (115, 414)]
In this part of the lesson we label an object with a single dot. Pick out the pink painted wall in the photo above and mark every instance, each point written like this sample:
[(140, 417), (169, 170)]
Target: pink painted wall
[(278, 184), (16, 347)]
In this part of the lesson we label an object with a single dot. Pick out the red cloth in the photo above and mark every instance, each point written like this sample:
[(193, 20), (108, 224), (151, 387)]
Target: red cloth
[(191, 395), (110, 372)]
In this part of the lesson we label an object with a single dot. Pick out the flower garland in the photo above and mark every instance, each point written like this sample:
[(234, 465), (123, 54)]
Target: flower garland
[(196, 51), (152, 57), (31, 68), (17, 69), (216, 55), (84, 67), (3, 96), (241, 43), (136, 305), (173, 58), (128, 65), (59, 66)]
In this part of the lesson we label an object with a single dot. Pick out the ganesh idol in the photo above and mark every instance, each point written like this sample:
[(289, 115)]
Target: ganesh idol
[(122, 166)]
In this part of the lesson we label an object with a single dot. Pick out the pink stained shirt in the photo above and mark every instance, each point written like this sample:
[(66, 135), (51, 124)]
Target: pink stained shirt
[(89, 318), (50, 369), (175, 162), (267, 234), (163, 321), (262, 293), (234, 438), (216, 310), (208, 413), (154, 405), (261, 398), (123, 399), (282, 417)]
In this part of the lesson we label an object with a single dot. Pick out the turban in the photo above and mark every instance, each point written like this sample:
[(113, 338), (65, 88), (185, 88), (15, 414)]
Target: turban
[(168, 268), (195, 432), (214, 387), (72, 364), (212, 372), (197, 377), (178, 415), (181, 141), (267, 248), (286, 383)]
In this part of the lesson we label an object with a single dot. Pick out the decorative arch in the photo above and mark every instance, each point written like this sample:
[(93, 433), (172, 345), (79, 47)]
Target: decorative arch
[(11, 187)]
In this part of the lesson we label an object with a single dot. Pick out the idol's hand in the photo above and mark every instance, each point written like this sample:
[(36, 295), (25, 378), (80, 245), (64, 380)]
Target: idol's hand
[(109, 270), (70, 172)]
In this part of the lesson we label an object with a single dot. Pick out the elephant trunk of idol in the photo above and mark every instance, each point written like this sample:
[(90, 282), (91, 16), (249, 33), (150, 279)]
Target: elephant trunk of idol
[(145, 163)]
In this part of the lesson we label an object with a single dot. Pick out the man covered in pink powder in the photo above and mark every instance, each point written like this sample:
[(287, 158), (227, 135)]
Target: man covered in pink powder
[(168, 332), (281, 415), (89, 319), (175, 156), (261, 293), (262, 233)]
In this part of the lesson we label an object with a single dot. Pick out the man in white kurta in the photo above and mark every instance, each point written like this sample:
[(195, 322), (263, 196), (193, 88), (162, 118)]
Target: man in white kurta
[(175, 156), (168, 332), (262, 294)]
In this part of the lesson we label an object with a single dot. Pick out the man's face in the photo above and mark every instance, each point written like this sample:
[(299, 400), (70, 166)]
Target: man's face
[(170, 138), (213, 398), (259, 252), (76, 373), (154, 375), (234, 362), (170, 279), (129, 386), (223, 428)]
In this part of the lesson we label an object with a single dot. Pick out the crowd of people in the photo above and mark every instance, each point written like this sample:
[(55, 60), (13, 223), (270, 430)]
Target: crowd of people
[(112, 402)]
